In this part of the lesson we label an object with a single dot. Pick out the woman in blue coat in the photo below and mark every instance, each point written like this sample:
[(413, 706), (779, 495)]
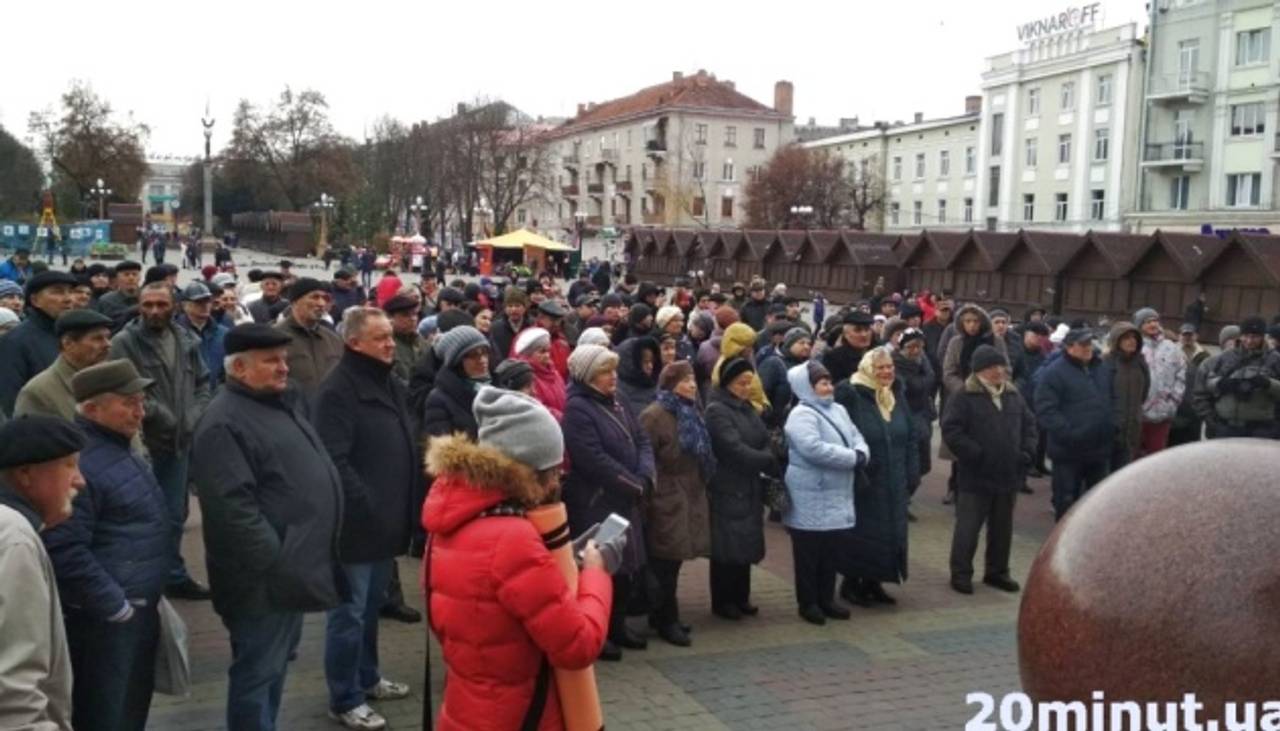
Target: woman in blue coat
[(825, 450), (877, 404)]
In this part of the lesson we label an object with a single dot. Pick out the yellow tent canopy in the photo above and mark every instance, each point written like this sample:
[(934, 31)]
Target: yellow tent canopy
[(522, 239)]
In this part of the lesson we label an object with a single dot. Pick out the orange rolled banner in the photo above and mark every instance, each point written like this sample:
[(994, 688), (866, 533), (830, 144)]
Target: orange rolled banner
[(579, 697)]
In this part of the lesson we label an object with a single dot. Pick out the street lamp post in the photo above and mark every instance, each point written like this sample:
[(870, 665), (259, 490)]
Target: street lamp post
[(579, 219), (417, 208), (804, 212), (324, 205), (174, 204), (101, 193)]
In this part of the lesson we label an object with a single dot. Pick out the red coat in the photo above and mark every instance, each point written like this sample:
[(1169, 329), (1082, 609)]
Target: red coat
[(548, 387), (498, 599), (387, 288)]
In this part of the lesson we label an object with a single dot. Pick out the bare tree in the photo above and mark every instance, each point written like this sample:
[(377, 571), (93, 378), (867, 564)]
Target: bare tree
[(799, 177), (686, 190), (868, 195)]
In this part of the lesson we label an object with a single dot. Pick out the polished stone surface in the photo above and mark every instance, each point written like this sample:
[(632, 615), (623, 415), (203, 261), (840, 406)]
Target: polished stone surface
[(1165, 579)]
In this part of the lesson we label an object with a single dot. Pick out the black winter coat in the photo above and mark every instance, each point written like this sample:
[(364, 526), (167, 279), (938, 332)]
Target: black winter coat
[(753, 313), (448, 408), (362, 420), (272, 504), (992, 446), (743, 451), (502, 334), (24, 352), (878, 544), (842, 361)]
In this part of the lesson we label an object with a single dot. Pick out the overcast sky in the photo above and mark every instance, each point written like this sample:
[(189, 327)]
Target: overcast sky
[(415, 60)]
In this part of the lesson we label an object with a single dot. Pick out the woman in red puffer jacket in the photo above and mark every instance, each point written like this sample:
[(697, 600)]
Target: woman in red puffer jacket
[(498, 601)]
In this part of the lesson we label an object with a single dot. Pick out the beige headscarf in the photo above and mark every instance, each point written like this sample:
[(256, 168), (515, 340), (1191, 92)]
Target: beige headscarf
[(866, 376)]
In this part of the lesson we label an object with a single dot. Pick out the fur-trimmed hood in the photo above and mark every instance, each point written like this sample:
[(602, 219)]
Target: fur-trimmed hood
[(973, 385), (471, 478)]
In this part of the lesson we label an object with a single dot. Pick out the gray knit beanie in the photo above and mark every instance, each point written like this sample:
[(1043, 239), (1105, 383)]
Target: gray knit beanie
[(453, 345), (588, 360), (1146, 313), (593, 336), (1228, 333), (519, 427), (793, 336)]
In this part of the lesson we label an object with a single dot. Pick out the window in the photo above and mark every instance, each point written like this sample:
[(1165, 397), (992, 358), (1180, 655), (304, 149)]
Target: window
[(759, 134), (1064, 149), (1243, 189), (1067, 102), (1101, 144), (628, 139), (970, 161), (993, 186), (699, 170), (644, 171), (897, 168), (997, 134), (1104, 90), (895, 211), (919, 165), (700, 134), (521, 215), (968, 210), (157, 208), (628, 178), (1253, 46), (1060, 207), (157, 189), (699, 206), (1180, 192), (1028, 206), (1248, 119), (944, 164), (1033, 102), (917, 213), (1098, 204), (726, 207), (728, 171), (730, 136), (942, 212), (753, 173), (1030, 155)]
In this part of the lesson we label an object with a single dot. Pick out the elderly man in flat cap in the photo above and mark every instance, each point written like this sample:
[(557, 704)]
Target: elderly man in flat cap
[(121, 304), (39, 478), (84, 338), (272, 503), (268, 307), (170, 355), (111, 556), (33, 346), (314, 347)]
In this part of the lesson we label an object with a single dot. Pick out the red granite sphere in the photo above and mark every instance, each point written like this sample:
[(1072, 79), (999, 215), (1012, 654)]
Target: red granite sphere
[(1165, 579)]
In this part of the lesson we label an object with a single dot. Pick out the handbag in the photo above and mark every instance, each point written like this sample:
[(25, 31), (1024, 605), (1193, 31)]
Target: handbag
[(173, 659), (776, 496)]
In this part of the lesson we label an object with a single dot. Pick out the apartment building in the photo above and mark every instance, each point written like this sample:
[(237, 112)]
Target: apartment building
[(676, 154), (162, 190), (1059, 125), (1210, 135), (928, 169)]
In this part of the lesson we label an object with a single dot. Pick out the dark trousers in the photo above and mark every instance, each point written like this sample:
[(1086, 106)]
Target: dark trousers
[(171, 472), (1042, 447), (972, 511), (1071, 480), (730, 584), (395, 594), (114, 664), (665, 608), (1185, 434), (260, 649), (1257, 429), (621, 597), (814, 553)]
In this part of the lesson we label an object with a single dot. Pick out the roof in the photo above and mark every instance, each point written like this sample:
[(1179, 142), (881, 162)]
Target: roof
[(698, 91), (1265, 250), (521, 239), (1054, 250), (996, 247), (1193, 252), (759, 241), (685, 240), (947, 243), (1122, 251)]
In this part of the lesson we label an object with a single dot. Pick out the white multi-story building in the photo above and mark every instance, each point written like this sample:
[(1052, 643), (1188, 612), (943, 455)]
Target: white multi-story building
[(162, 189), (927, 169), (1059, 127), (1210, 143), (675, 154)]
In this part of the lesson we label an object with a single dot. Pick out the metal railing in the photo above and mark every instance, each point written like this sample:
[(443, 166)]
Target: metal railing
[(1173, 151), (1180, 84)]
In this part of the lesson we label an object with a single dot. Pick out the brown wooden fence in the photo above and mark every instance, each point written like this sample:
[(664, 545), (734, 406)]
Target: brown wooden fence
[(1093, 275)]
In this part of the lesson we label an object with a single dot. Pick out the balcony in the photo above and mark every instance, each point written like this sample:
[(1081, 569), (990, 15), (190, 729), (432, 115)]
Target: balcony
[(656, 149), (1178, 156), (569, 191), (595, 188), (1192, 87), (571, 161), (609, 156), (623, 187)]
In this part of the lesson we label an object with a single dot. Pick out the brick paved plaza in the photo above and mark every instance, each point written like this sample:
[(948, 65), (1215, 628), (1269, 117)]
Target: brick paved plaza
[(907, 667)]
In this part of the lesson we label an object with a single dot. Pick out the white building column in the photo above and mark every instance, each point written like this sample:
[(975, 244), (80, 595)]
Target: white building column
[(1216, 134), (1119, 121), (1076, 207), (1012, 125)]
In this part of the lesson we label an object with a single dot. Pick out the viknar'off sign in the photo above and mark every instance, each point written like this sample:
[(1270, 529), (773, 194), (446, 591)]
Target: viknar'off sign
[(1073, 18)]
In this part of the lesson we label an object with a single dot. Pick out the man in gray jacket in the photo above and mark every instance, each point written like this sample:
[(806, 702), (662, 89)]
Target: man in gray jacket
[(39, 476), (169, 355)]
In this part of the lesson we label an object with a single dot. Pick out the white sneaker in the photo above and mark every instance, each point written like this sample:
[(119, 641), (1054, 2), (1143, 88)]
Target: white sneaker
[(387, 690), (362, 718)]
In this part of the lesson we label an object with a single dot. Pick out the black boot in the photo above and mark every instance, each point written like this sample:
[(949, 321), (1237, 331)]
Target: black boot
[(835, 611), (853, 592), (877, 593), (813, 614), (674, 635)]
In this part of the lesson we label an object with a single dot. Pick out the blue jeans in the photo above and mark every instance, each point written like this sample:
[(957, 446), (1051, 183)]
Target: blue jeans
[(115, 669), (351, 636), (260, 649), (171, 472)]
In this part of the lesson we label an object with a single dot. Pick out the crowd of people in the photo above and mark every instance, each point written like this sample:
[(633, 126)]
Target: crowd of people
[(328, 427)]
